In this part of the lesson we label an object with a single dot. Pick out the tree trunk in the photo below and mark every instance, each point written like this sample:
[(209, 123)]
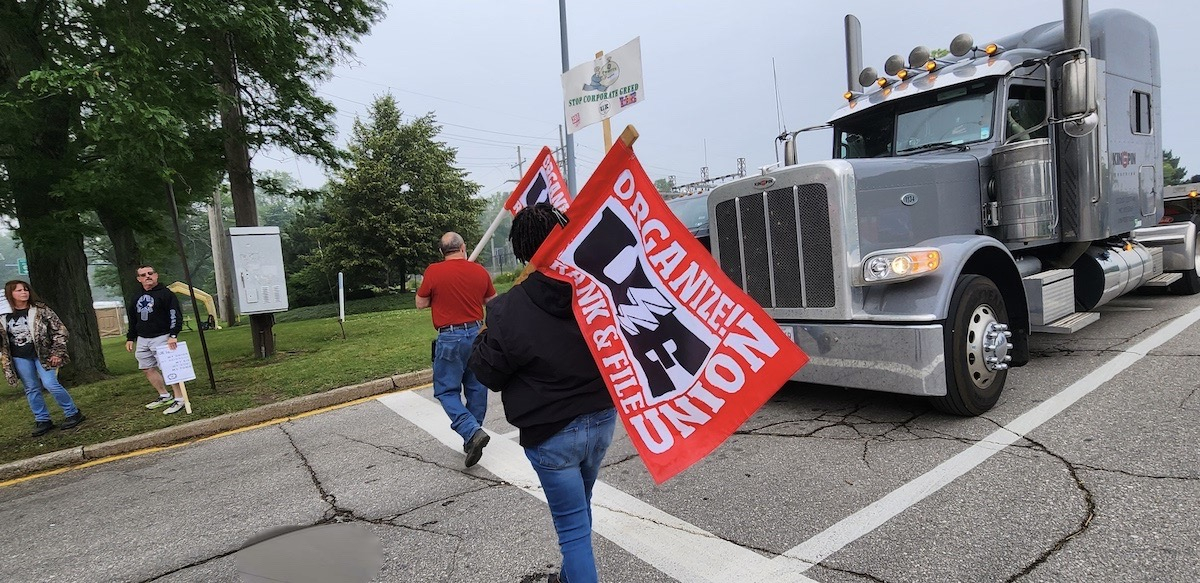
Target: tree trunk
[(127, 255), (241, 182), (58, 272)]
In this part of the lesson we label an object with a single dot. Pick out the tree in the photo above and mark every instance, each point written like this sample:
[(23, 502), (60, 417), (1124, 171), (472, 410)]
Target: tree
[(101, 102), (1173, 173), (398, 194), (664, 185)]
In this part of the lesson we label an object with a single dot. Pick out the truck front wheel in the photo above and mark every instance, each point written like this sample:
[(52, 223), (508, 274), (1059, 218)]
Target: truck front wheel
[(977, 347)]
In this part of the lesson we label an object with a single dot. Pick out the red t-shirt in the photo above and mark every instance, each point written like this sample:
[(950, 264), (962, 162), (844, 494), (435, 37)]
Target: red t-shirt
[(456, 289)]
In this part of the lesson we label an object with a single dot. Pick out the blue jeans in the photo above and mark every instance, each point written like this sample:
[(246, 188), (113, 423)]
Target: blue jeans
[(34, 377), (453, 382), (567, 465)]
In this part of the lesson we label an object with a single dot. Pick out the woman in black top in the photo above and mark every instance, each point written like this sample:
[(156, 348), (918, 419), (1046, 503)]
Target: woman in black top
[(534, 354), (32, 347)]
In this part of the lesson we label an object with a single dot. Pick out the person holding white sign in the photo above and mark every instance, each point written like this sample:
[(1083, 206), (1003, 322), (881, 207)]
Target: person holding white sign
[(155, 319)]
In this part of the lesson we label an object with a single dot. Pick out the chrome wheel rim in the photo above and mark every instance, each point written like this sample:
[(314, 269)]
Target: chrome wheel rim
[(987, 346)]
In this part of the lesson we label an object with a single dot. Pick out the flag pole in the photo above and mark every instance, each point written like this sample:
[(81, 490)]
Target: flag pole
[(491, 230)]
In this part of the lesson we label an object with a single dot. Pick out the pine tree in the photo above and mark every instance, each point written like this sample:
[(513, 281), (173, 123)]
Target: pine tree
[(398, 194)]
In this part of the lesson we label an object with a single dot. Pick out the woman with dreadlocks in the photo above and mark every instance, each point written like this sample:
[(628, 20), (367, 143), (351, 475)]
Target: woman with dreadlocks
[(534, 354)]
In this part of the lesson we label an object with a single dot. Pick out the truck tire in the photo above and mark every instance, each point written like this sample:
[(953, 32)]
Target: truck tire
[(1190, 284), (976, 331)]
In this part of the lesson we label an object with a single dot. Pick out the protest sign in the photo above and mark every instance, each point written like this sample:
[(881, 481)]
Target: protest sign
[(598, 90), (686, 354), (176, 365)]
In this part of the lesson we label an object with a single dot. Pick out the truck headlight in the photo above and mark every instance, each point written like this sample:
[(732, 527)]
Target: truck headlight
[(900, 265)]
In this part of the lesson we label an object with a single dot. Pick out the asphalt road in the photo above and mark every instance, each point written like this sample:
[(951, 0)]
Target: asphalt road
[(1088, 470)]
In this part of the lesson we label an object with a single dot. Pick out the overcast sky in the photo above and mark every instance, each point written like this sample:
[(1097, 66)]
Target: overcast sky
[(490, 73)]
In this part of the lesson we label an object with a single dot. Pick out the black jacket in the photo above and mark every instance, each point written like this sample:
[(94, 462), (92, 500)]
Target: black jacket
[(534, 354), (154, 313)]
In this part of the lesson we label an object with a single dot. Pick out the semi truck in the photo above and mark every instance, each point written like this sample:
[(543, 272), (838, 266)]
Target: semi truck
[(971, 199)]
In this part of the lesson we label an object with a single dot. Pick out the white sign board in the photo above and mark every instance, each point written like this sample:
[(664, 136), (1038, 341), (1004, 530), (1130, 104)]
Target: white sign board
[(258, 268), (603, 88), (176, 365)]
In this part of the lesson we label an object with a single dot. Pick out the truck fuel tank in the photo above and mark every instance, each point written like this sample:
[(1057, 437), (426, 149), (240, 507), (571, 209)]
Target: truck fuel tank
[(1103, 273), (1026, 207)]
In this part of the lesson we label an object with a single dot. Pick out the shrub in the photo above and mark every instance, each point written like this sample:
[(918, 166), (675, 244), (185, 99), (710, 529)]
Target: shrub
[(507, 276)]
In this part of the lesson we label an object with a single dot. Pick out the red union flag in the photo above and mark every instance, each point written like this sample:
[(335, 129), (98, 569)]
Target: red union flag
[(686, 354), (543, 182)]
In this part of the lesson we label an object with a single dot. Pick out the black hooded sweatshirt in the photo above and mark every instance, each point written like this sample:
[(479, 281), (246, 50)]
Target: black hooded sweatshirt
[(534, 354), (154, 312)]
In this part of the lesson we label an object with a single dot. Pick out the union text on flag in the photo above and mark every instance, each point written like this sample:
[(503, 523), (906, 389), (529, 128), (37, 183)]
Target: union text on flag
[(686, 354)]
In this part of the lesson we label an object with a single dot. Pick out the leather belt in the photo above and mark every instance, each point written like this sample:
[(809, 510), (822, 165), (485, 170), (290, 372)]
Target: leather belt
[(463, 326)]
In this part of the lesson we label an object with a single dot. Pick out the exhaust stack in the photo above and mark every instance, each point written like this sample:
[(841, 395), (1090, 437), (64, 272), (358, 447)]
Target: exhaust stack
[(1076, 29), (853, 52)]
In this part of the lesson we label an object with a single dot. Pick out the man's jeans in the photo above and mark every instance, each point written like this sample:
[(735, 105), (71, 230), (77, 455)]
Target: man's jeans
[(453, 380), (34, 377), (567, 465)]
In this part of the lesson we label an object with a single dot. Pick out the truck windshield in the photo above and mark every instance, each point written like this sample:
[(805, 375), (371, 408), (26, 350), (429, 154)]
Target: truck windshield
[(952, 116)]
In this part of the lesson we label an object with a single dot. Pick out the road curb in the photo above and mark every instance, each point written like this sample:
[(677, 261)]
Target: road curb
[(213, 425)]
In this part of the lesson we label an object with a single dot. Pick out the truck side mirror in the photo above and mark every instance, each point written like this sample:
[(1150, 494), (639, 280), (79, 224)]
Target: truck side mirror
[(1079, 87)]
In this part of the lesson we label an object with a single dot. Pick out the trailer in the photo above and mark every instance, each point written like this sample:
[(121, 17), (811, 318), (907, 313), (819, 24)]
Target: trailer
[(1006, 189)]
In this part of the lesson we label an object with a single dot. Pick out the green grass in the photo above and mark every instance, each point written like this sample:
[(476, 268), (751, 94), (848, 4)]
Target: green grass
[(388, 302), (311, 357), (384, 336), (398, 301)]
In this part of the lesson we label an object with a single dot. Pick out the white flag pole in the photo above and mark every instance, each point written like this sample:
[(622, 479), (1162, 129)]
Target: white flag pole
[(491, 230)]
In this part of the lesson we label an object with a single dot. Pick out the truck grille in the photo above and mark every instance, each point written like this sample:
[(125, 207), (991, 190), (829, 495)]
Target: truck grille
[(778, 246)]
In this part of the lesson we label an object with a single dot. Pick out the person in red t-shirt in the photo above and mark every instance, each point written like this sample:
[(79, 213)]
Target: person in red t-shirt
[(456, 289)]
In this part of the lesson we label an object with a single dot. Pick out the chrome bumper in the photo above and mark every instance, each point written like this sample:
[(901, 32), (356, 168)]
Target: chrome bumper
[(896, 359)]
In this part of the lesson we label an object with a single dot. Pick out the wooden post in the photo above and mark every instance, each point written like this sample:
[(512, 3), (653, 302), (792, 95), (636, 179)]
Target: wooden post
[(607, 126), (187, 403)]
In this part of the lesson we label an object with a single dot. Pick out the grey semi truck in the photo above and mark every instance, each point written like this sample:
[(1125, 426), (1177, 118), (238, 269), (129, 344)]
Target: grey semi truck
[(1003, 189)]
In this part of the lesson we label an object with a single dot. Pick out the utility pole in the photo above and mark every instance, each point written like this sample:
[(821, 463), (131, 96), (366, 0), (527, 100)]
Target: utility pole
[(566, 66), (221, 261), (562, 152), (241, 182), (520, 165)]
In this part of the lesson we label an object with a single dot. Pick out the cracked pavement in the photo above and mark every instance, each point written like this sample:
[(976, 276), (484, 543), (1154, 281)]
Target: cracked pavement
[(1104, 491)]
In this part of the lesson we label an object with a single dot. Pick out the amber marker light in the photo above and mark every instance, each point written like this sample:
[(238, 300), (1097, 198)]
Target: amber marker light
[(930, 65), (991, 49), (881, 81), (902, 74), (848, 95), (1193, 194)]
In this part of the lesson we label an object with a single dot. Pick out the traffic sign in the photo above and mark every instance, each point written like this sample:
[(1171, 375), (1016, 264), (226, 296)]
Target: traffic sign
[(22, 266)]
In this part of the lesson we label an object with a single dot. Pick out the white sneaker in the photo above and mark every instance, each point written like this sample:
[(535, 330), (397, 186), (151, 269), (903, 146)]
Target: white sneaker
[(161, 402), (177, 407)]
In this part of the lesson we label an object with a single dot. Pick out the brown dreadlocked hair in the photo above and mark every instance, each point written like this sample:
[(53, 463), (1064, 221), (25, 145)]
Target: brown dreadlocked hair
[(531, 226)]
